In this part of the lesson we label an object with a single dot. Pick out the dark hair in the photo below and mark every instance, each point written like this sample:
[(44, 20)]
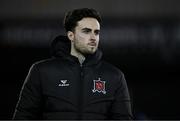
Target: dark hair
[(72, 17)]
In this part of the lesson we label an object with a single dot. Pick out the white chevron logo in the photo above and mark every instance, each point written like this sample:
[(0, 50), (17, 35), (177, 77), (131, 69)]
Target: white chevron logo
[(63, 83)]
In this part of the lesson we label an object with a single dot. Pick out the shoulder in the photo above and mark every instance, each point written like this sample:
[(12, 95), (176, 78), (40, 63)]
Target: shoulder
[(46, 63), (111, 69)]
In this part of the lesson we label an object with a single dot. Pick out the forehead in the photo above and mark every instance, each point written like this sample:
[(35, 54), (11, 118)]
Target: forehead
[(91, 23)]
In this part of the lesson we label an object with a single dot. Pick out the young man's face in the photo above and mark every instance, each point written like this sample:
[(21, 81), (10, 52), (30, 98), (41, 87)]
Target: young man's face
[(86, 36)]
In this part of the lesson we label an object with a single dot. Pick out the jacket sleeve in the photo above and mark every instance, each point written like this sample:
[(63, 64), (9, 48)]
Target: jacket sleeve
[(29, 103), (121, 107)]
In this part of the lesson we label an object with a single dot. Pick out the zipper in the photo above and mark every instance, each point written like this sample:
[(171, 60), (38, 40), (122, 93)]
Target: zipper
[(80, 98)]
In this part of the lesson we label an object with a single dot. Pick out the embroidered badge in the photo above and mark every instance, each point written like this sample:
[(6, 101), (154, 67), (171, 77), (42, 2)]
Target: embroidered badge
[(99, 86)]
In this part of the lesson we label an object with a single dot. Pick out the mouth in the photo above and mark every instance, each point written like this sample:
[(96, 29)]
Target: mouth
[(92, 44)]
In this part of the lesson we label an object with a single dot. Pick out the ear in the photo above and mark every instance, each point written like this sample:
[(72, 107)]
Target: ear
[(70, 35)]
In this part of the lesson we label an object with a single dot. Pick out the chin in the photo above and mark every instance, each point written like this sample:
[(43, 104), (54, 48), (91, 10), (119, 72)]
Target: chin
[(89, 52), (92, 52)]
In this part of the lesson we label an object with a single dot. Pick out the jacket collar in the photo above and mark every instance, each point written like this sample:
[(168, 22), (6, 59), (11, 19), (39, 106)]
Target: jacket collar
[(61, 47)]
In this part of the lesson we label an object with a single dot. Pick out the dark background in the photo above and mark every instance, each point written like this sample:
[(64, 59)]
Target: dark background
[(141, 37)]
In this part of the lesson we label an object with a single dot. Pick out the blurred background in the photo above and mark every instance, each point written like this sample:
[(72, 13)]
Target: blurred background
[(141, 37)]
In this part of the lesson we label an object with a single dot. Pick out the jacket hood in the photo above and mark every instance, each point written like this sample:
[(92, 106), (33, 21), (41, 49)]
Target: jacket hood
[(61, 47)]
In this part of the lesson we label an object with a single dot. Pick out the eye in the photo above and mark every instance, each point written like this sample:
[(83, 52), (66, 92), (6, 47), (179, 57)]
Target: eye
[(86, 31), (97, 32)]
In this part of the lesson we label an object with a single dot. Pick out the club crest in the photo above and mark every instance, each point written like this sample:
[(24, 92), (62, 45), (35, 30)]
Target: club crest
[(99, 86)]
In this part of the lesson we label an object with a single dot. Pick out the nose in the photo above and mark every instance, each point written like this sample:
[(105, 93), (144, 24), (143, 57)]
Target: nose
[(93, 37)]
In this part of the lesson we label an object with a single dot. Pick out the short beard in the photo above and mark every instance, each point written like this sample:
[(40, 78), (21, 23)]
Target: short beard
[(86, 52)]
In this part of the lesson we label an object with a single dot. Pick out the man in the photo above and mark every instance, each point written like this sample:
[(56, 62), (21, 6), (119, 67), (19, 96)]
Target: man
[(75, 83)]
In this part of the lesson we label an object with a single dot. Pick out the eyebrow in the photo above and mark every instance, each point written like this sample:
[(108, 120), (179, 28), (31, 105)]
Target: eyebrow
[(87, 29), (90, 29)]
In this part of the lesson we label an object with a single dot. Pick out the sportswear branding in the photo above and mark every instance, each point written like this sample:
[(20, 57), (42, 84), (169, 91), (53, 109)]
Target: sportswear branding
[(63, 83), (99, 86)]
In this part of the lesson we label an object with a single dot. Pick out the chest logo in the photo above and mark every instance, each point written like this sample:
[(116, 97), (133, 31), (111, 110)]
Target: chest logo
[(63, 83), (99, 86)]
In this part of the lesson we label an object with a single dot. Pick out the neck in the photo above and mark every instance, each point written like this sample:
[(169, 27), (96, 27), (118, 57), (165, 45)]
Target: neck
[(77, 54)]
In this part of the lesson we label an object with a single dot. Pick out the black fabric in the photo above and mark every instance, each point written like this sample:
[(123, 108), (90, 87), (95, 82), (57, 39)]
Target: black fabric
[(61, 88), (60, 46)]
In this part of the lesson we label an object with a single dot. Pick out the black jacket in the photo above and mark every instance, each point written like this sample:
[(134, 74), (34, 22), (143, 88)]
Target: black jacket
[(61, 88)]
